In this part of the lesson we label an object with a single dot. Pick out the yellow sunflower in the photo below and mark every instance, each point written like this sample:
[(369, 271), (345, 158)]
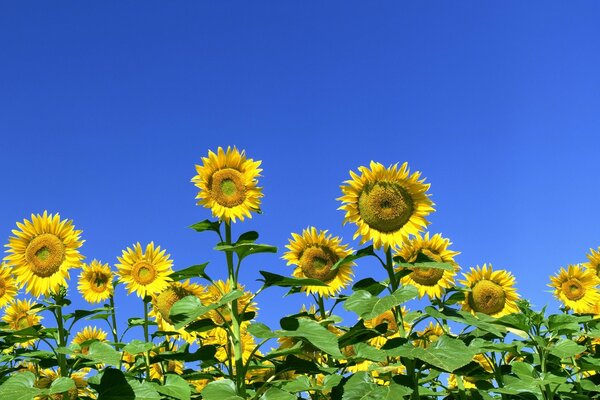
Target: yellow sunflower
[(428, 335), (159, 369), (576, 288), (95, 282), (163, 302), (228, 184), (594, 261), (314, 253), (492, 292), (89, 333), (387, 204), (8, 286), (47, 376), (430, 281), (20, 314), (145, 272), (42, 252), (214, 294), (393, 330)]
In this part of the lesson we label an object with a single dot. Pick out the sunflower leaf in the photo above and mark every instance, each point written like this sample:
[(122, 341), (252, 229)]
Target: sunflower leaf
[(282, 281), (207, 225), (190, 308), (368, 306), (19, 387), (364, 252), (176, 387), (223, 389), (245, 249), (428, 265), (194, 271)]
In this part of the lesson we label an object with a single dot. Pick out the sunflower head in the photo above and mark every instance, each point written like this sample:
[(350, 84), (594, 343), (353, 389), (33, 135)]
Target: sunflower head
[(429, 281), (314, 253), (42, 252), (429, 335), (228, 184), (491, 292), (163, 302), (593, 263), (21, 314), (216, 291), (387, 204), (393, 330), (95, 282), (87, 334), (8, 285), (576, 288), (145, 272)]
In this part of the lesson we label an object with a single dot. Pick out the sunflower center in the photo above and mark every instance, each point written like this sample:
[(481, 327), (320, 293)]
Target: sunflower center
[(143, 272), (573, 289), (228, 187), (2, 288), (23, 322), (98, 282), (45, 254), (316, 263), (385, 206), (166, 299), (427, 276), (487, 297)]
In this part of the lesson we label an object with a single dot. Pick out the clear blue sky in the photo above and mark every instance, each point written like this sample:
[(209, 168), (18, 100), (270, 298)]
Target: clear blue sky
[(105, 108)]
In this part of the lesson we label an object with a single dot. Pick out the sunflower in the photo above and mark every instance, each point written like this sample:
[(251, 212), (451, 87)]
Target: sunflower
[(42, 252), (387, 204), (219, 337), (429, 335), (19, 314), (576, 288), (227, 182), (314, 253), (87, 334), (222, 314), (8, 286), (470, 382), (159, 369), (46, 378), (393, 330), (163, 302), (95, 282), (429, 281), (594, 261), (145, 272), (492, 292)]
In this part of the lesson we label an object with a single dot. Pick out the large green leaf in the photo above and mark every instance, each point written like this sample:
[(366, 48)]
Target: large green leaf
[(482, 321), (176, 387), (360, 387), (190, 308), (245, 249), (428, 265), (566, 348), (19, 387), (137, 346), (271, 279), (194, 271), (316, 334), (223, 389), (364, 252), (368, 306), (100, 352), (207, 225), (446, 353), (61, 385), (277, 394)]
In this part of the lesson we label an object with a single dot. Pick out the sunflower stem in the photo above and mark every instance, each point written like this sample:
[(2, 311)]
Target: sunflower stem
[(146, 338), (322, 307), (62, 361), (236, 338), (389, 266)]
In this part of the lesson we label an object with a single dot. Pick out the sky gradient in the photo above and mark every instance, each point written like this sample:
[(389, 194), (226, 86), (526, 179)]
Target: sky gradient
[(106, 107)]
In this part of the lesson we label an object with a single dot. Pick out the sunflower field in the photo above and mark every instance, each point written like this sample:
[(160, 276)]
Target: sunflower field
[(466, 334)]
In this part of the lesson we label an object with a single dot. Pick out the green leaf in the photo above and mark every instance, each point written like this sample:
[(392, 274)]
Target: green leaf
[(368, 306), (246, 237), (367, 352), (207, 225), (364, 252), (137, 346), (194, 271), (565, 323), (360, 387), (566, 348), (428, 265), (190, 308), (19, 387), (131, 322), (79, 314), (282, 281), (101, 353), (316, 334), (277, 394), (61, 385), (223, 389), (245, 249), (300, 384), (175, 386), (261, 331), (370, 285), (142, 390), (482, 321)]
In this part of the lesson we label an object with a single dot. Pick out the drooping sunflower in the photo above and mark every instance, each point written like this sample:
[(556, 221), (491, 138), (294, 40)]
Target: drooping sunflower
[(314, 253), (95, 282), (42, 252), (145, 272), (228, 184), (594, 261), (576, 288), (163, 302), (214, 294), (8, 286), (430, 281), (492, 292), (393, 330), (20, 314), (387, 204)]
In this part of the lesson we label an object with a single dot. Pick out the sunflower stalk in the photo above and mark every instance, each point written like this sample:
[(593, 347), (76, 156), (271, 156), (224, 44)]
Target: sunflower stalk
[(389, 266), (146, 337)]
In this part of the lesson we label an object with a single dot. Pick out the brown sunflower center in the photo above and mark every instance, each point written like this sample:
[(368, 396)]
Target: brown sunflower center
[(385, 206), (427, 276), (228, 187), (99, 282), (2, 288), (45, 254), (573, 289), (143, 272), (316, 263), (165, 300), (487, 297)]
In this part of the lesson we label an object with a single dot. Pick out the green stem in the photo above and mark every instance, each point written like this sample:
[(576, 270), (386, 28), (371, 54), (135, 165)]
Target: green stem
[(146, 338), (62, 361), (389, 266), (113, 327), (235, 320), (322, 307)]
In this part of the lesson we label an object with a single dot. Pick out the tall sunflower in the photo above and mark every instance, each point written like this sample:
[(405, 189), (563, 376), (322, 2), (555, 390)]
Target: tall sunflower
[(20, 314), (8, 286), (228, 184), (42, 252), (314, 253), (594, 261), (576, 288), (216, 291), (387, 204), (430, 281), (145, 272), (95, 282), (492, 292), (163, 302)]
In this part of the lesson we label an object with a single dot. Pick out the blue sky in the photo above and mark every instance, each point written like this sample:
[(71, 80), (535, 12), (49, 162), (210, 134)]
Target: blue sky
[(106, 107)]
